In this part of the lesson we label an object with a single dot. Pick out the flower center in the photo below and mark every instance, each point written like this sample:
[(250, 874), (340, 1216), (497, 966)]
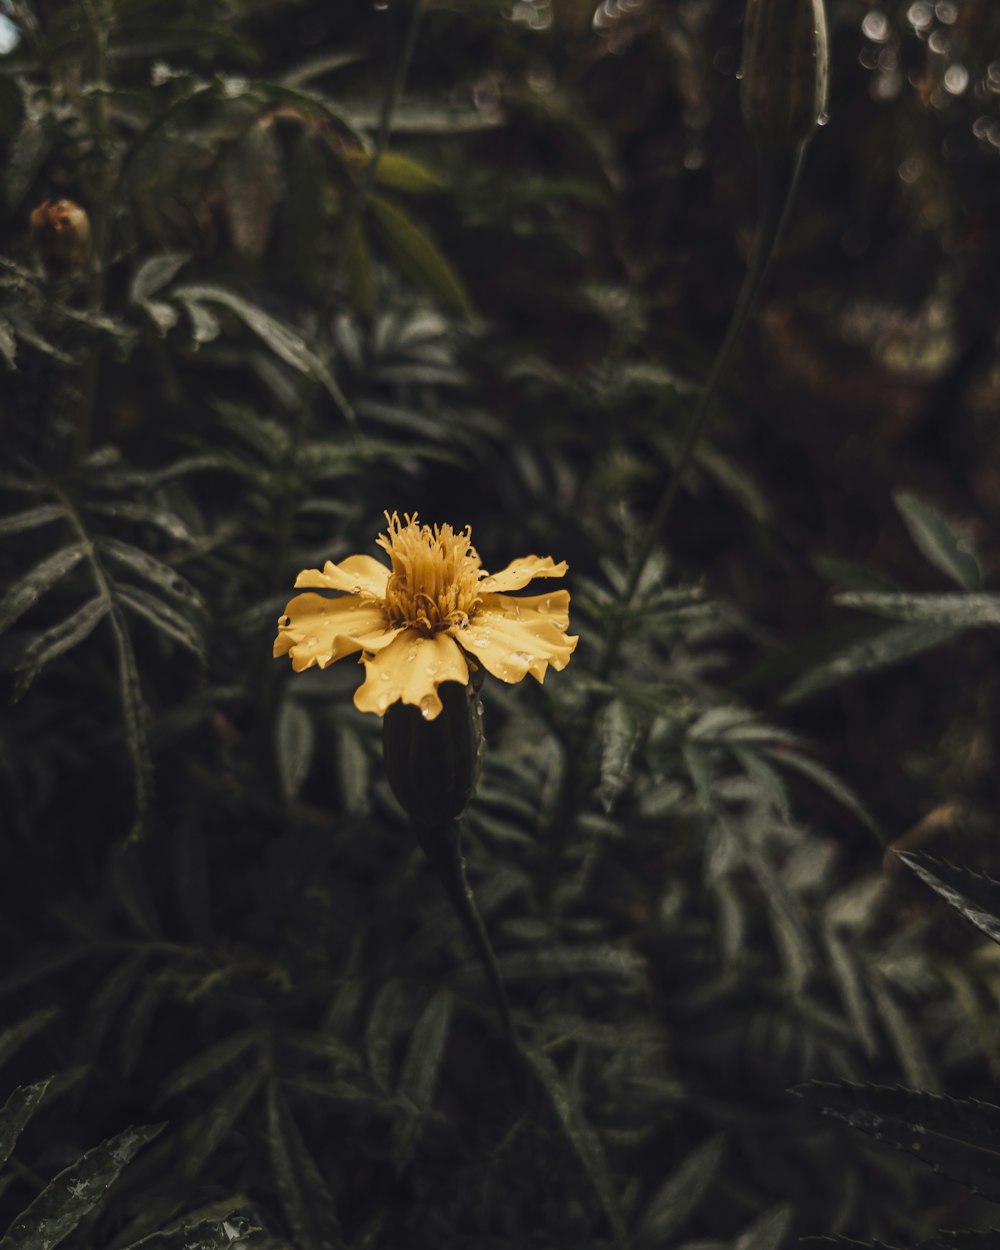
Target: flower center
[(435, 576)]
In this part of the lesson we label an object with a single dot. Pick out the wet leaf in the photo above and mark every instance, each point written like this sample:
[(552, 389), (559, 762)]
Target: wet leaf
[(57, 640), (974, 894), (30, 588), (17, 1111)]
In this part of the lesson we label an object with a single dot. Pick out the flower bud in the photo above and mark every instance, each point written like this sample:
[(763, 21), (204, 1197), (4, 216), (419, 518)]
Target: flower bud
[(60, 231), (785, 71), (433, 765)]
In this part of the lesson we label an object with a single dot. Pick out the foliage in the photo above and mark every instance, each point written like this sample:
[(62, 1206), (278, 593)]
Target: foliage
[(464, 259)]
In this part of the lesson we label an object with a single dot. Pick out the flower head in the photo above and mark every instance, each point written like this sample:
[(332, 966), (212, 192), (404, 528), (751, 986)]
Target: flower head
[(432, 615)]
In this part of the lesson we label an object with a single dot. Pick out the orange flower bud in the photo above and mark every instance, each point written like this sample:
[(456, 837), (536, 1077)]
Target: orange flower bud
[(60, 231)]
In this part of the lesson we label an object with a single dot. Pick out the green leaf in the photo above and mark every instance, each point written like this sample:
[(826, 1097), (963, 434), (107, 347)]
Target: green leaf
[(960, 1138), (287, 344), (582, 1137), (65, 1201), (163, 618), (821, 776), (681, 1194), (975, 895), (425, 1053), (57, 640), (219, 1121), (208, 1062), (14, 1037), (951, 611), (155, 273), (32, 518), (215, 1227), (768, 1232), (204, 324), (26, 592), (304, 1196), (17, 1111), (418, 256), (403, 173), (619, 734), (134, 717), (104, 1005), (295, 740), (150, 569), (936, 539), (881, 650), (8, 344)]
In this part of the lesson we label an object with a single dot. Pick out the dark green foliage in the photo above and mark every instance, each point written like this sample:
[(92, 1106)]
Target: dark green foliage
[(486, 283)]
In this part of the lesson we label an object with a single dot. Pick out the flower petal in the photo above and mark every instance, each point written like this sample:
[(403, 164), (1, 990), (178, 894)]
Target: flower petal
[(410, 671), (512, 637), (355, 574), (518, 573), (317, 630)]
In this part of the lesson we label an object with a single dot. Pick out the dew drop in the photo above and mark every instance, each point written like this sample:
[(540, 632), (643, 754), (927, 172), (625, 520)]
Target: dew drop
[(428, 706)]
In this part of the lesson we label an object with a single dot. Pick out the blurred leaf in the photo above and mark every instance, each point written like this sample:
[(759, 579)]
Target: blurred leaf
[(939, 542), (425, 1053), (8, 344), (681, 1194), (163, 618), (219, 1121), (768, 1232), (287, 344), (32, 518), (304, 1196), (155, 273), (17, 1111), (582, 1138), (208, 1062), (821, 776), (619, 732), (418, 256), (14, 1037), (57, 640), (65, 1201), (295, 740), (975, 895), (960, 1138), (882, 650), (952, 611), (29, 589)]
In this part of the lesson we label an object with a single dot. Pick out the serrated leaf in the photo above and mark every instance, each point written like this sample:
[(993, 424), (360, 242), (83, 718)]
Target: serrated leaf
[(163, 617), (974, 894), (57, 640), (155, 273), (681, 1194), (425, 1053), (418, 255), (17, 1111), (582, 1137), (14, 1037), (960, 1138), (287, 344), (882, 650), (30, 588), (938, 541), (215, 1227), (65, 1201), (32, 518), (304, 1195), (294, 740)]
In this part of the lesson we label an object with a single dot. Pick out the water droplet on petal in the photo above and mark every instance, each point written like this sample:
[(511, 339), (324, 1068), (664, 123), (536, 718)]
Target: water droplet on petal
[(428, 706)]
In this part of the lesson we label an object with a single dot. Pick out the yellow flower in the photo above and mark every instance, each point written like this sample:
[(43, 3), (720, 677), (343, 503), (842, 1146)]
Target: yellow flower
[(430, 617)]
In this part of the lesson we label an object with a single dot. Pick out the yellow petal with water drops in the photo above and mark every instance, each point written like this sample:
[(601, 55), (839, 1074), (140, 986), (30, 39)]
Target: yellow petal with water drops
[(512, 637), (518, 573), (356, 574), (410, 671), (316, 630)]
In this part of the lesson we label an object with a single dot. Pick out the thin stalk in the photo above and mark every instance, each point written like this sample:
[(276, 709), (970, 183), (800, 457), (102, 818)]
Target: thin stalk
[(97, 27), (442, 846), (390, 102), (778, 179)]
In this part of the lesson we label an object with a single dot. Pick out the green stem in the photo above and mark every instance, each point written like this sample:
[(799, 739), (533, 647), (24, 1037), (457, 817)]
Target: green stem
[(778, 178), (390, 102), (97, 27), (442, 846)]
